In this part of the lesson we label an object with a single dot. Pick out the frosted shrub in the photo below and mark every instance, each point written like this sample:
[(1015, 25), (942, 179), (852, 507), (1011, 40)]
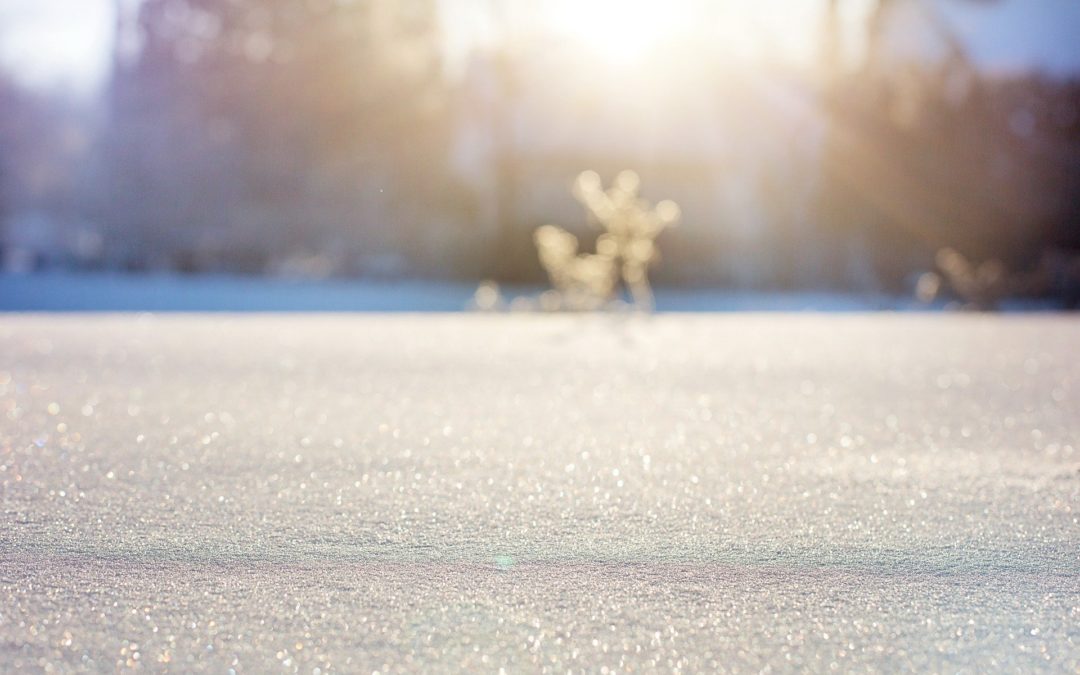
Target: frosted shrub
[(624, 251), (985, 286), (582, 281), (978, 286)]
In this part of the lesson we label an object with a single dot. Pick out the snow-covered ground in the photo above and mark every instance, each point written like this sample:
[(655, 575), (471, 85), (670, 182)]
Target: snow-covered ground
[(529, 493)]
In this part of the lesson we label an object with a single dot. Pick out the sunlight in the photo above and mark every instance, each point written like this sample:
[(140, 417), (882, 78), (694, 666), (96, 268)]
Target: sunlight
[(632, 32), (50, 42), (620, 32)]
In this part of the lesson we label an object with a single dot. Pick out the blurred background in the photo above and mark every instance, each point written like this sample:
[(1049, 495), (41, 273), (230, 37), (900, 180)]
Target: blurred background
[(813, 145)]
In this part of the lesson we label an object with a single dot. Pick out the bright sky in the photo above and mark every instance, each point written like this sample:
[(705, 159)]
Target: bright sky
[(66, 42), (622, 31), (1020, 33), (56, 42)]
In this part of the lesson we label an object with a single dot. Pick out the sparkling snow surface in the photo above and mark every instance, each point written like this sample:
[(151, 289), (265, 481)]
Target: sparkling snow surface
[(451, 493)]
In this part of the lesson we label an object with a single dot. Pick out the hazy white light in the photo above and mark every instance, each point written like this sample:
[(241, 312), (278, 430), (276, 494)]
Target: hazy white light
[(629, 32), (43, 42), (620, 31)]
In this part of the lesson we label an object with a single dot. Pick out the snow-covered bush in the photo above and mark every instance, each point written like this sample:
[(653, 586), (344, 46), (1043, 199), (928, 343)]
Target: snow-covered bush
[(624, 251)]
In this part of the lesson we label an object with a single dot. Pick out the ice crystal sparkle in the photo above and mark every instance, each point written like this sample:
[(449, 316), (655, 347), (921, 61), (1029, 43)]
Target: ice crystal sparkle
[(540, 493)]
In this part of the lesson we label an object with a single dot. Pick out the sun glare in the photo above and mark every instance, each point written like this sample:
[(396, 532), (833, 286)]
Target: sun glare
[(622, 32)]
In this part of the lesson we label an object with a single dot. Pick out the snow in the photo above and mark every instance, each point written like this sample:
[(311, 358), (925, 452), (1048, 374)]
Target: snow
[(540, 493)]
